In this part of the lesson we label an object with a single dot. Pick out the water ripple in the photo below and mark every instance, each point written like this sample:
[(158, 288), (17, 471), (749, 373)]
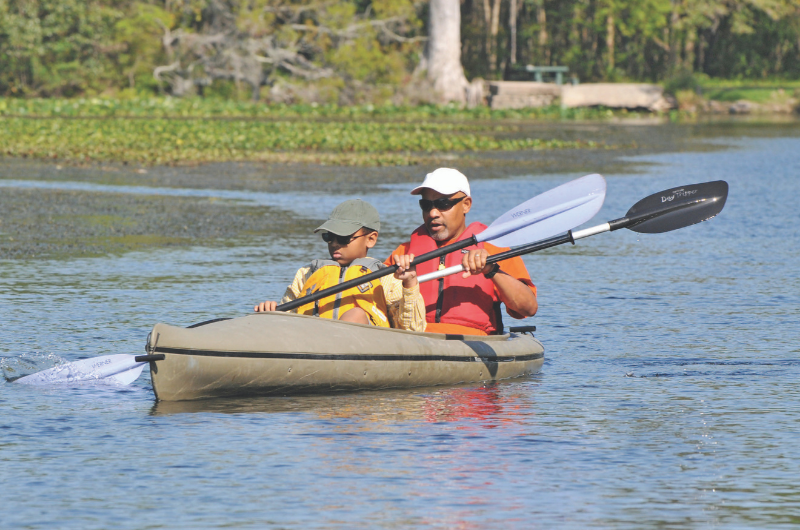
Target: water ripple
[(668, 397)]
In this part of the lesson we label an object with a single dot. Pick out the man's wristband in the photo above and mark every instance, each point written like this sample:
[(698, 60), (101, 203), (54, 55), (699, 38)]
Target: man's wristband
[(495, 269)]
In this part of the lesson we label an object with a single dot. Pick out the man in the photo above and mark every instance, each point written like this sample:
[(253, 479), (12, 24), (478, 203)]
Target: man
[(350, 231), (467, 303)]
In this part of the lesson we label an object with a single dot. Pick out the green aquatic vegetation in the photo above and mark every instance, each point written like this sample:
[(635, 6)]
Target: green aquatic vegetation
[(755, 90), (774, 84), (168, 107), (60, 223), (755, 94), (174, 141)]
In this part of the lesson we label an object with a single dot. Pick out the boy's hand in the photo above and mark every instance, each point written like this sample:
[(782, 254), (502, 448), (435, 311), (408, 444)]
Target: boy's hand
[(266, 306), (405, 270)]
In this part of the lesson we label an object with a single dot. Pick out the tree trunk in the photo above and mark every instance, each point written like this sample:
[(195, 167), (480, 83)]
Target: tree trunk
[(512, 25), (700, 57), (673, 39), (610, 41), (575, 33), (444, 51), (541, 20), (487, 35), (495, 28), (688, 50)]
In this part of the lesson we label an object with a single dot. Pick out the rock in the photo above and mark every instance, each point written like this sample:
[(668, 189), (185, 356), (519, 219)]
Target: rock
[(715, 107), (522, 94), (741, 107), (617, 96), (524, 88)]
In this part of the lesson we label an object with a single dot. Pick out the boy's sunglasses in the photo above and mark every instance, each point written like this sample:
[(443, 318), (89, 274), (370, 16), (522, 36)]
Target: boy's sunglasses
[(330, 237), (440, 204)]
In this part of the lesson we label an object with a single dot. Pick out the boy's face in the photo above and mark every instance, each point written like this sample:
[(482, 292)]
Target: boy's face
[(357, 247)]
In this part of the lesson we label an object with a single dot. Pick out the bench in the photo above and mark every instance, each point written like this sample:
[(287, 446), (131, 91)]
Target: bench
[(524, 73)]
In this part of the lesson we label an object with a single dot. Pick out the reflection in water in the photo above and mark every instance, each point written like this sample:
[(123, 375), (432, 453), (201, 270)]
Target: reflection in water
[(486, 405)]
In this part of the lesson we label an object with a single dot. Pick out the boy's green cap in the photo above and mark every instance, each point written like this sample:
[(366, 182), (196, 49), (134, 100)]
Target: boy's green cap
[(350, 216)]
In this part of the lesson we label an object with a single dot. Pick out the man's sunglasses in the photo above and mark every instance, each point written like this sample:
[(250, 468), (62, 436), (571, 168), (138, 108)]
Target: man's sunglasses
[(330, 237), (440, 204)]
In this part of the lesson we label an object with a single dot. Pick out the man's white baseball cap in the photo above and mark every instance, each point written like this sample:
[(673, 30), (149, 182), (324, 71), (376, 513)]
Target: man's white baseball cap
[(445, 180)]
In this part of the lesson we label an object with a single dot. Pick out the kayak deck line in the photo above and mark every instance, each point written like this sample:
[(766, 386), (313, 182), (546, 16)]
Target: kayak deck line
[(351, 357)]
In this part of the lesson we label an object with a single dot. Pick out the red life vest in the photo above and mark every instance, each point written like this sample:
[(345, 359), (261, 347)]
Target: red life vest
[(455, 300)]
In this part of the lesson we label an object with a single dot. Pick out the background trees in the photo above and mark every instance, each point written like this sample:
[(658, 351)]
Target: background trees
[(56, 47), (635, 39), (363, 50), (67, 47)]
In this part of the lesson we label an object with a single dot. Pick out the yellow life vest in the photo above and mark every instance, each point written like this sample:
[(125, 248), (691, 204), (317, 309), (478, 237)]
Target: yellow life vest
[(368, 296)]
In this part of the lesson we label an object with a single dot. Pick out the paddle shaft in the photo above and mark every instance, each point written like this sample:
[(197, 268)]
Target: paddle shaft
[(375, 275), (569, 237)]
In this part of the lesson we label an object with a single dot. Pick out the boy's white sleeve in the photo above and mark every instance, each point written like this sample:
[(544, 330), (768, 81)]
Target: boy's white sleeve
[(294, 288), (405, 306)]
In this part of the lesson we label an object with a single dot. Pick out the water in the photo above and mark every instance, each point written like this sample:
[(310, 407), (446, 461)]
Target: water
[(668, 397)]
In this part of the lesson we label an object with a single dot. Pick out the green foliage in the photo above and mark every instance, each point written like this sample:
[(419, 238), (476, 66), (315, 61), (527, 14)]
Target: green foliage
[(85, 47), (684, 80), (56, 47), (650, 39), (68, 48), (364, 60), (138, 36)]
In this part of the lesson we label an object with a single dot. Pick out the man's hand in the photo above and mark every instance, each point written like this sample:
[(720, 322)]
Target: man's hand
[(474, 262), (517, 296), (266, 306), (405, 270)]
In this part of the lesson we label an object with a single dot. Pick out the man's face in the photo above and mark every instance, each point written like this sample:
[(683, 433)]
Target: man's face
[(357, 247), (447, 224)]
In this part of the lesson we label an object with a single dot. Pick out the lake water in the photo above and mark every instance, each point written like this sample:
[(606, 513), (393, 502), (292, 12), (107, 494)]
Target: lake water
[(669, 397)]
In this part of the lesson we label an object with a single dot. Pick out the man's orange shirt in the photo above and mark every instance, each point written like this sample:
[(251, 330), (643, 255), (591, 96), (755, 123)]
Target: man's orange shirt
[(514, 267)]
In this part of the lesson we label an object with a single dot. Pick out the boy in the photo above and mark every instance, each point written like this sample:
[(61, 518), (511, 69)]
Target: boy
[(391, 301)]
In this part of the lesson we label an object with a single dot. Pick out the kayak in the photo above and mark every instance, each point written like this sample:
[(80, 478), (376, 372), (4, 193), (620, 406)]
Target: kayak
[(285, 353)]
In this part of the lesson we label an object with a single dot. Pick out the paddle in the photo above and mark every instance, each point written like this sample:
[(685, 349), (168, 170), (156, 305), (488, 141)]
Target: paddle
[(554, 211), (121, 369), (661, 212)]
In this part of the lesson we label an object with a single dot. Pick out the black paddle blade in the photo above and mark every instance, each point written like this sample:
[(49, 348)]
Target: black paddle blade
[(677, 207)]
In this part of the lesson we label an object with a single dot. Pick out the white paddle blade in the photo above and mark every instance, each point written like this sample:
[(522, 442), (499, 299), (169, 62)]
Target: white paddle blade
[(128, 376), (120, 368), (549, 214)]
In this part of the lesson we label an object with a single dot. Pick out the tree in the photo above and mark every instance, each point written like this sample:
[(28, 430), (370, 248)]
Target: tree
[(444, 51), (257, 42)]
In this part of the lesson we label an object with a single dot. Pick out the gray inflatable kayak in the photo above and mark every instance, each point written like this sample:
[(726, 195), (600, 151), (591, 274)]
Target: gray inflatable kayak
[(283, 353)]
